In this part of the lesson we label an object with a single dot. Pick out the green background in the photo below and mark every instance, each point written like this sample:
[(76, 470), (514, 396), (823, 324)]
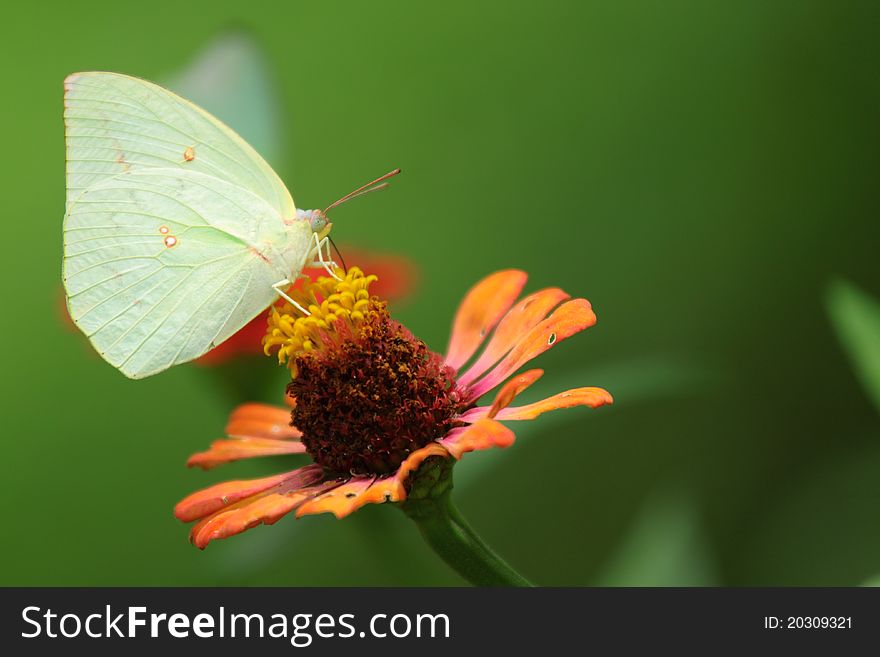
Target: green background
[(699, 171)]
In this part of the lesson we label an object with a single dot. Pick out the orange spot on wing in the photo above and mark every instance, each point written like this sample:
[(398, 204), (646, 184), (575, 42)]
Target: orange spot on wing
[(189, 154), (120, 159), (257, 253)]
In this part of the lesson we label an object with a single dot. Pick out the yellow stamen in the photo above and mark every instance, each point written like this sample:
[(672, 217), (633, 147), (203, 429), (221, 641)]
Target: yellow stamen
[(333, 304)]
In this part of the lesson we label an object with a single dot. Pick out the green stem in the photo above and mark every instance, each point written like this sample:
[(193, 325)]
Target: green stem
[(444, 529)]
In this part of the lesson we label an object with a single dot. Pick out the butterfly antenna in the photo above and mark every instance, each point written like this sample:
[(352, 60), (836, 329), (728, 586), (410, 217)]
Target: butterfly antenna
[(373, 186), (338, 252)]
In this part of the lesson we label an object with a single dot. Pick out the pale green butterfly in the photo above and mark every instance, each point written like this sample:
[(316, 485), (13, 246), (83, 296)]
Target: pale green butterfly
[(176, 232)]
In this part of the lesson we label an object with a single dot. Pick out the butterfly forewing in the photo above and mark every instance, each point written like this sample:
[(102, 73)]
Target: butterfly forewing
[(116, 123)]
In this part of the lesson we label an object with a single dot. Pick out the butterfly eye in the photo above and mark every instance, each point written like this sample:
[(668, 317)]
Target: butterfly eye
[(318, 221)]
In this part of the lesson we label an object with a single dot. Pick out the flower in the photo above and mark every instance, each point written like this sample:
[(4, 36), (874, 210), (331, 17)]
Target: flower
[(382, 416)]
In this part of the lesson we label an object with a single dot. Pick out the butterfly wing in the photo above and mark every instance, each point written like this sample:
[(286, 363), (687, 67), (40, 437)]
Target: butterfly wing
[(162, 264), (116, 123), (174, 224)]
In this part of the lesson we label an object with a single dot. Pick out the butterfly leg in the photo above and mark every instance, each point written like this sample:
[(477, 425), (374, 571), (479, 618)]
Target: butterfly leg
[(279, 287), (319, 262)]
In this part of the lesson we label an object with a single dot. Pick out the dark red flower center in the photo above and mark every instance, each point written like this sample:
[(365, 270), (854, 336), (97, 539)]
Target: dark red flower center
[(368, 400)]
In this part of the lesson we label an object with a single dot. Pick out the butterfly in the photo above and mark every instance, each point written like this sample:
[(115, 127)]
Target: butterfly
[(176, 231)]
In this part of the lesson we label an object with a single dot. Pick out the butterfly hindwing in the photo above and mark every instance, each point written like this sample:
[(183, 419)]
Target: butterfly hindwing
[(161, 264)]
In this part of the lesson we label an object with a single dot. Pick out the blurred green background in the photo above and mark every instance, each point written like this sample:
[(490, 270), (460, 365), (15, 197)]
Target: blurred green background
[(700, 171)]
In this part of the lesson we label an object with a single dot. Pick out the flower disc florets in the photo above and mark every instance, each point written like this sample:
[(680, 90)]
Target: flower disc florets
[(368, 393)]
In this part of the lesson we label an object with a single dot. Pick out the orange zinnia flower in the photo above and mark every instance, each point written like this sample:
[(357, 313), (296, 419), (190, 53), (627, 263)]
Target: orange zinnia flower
[(382, 416)]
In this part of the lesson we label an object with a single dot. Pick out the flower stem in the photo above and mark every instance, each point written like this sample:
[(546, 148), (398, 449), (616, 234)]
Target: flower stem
[(446, 531)]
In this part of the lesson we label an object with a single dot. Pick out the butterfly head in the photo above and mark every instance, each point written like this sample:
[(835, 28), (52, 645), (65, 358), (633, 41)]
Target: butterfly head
[(318, 221)]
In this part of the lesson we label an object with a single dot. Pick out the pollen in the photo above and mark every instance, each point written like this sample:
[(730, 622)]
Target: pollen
[(337, 309)]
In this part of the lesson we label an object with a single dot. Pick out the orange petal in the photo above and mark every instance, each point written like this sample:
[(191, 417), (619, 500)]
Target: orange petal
[(570, 318), (366, 490), (414, 460), (214, 498), (266, 508), (482, 434), (481, 309), (234, 449), (592, 397), (393, 489), (340, 501), (519, 320), (511, 389), (261, 421), (258, 411)]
